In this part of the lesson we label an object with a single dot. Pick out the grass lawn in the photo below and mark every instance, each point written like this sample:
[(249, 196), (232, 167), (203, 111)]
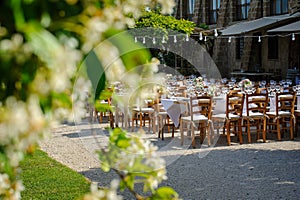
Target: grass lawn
[(45, 178)]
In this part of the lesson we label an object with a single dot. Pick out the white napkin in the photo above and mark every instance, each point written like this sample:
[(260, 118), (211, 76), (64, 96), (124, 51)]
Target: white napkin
[(272, 104)]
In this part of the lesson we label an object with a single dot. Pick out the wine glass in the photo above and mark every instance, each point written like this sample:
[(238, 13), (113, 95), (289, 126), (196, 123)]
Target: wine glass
[(233, 79), (224, 81), (231, 84), (277, 88), (225, 90)]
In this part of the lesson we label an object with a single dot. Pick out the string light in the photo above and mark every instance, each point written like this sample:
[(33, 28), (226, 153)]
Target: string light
[(216, 33), (200, 36), (187, 38), (206, 37), (293, 37)]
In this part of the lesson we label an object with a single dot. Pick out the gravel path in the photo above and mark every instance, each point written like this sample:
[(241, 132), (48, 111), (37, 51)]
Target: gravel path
[(250, 171)]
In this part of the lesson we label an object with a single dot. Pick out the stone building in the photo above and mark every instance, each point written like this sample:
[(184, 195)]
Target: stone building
[(257, 36)]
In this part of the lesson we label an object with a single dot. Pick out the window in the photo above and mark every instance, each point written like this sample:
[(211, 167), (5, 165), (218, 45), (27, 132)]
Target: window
[(273, 47), (242, 9), (279, 7), (214, 7), (239, 47), (191, 8)]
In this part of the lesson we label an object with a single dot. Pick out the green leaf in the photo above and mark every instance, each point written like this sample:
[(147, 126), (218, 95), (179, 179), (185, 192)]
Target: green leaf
[(164, 193), (95, 73)]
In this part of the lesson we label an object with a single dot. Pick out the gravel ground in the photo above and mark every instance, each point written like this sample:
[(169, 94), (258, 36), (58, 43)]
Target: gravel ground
[(250, 171)]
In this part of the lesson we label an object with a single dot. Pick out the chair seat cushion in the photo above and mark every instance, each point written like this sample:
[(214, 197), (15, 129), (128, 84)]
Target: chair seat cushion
[(223, 116), (195, 118), (143, 110), (254, 114), (280, 113)]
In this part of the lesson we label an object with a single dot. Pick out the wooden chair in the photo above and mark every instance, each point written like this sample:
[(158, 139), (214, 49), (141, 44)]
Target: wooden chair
[(255, 114), (163, 120), (283, 114), (142, 114), (200, 110), (232, 118)]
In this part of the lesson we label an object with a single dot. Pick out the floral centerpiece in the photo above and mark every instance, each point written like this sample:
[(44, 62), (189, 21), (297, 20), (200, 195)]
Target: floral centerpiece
[(245, 83), (199, 83)]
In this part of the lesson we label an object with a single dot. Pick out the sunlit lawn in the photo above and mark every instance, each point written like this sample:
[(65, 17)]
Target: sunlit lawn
[(45, 178)]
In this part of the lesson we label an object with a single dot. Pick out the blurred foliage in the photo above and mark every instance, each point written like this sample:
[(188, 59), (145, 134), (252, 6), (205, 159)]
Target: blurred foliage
[(164, 22)]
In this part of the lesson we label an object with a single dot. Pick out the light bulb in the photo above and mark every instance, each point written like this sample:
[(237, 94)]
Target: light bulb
[(187, 37), (175, 39), (293, 37), (229, 39), (216, 33), (154, 40), (200, 36), (135, 39), (259, 39), (163, 40), (205, 39), (144, 40)]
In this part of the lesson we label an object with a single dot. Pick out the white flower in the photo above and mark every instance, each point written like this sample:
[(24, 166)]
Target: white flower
[(167, 6)]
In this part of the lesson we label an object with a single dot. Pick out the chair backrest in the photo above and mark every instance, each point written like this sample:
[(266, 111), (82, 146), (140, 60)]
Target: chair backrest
[(285, 101), (201, 105), (256, 102), (261, 90), (234, 104)]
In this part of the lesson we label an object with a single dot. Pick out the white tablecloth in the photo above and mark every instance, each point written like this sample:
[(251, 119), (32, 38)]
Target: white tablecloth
[(173, 109)]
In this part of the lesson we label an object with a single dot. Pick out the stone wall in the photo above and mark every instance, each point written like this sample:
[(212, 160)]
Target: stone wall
[(224, 53)]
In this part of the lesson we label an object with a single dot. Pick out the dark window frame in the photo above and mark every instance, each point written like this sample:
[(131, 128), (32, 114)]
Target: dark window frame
[(279, 7), (239, 47), (242, 9), (273, 47), (213, 11)]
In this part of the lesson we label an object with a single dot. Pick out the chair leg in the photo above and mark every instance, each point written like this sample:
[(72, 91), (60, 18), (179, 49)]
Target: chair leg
[(208, 133), (193, 136), (258, 129), (264, 131), (240, 131), (248, 131), (228, 133), (278, 129), (162, 131), (173, 131), (292, 129), (181, 132)]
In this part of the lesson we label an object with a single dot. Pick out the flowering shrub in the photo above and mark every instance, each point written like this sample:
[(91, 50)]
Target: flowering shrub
[(136, 161), (39, 58)]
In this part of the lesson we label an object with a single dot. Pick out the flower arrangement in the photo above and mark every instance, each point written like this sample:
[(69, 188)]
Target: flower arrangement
[(245, 83), (211, 90), (199, 83)]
